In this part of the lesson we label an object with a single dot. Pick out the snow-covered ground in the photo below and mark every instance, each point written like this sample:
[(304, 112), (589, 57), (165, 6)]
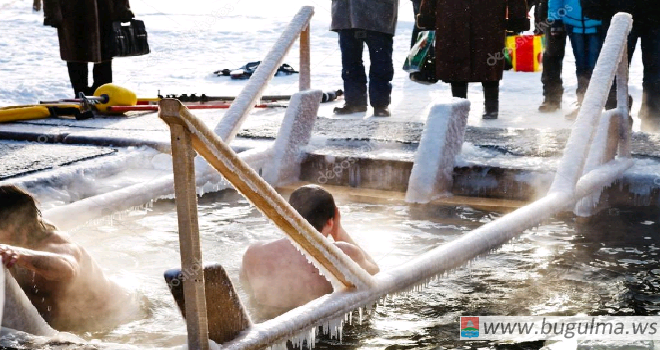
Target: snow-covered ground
[(191, 39)]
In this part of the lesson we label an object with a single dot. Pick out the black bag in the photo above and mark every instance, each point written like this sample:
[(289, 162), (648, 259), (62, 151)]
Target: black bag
[(129, 39)]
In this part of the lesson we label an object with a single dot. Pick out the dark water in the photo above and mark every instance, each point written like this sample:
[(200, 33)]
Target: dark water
[(607, 266)]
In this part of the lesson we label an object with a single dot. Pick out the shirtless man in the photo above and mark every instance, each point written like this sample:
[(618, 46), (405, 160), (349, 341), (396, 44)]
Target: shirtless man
[(279, 276), (59, 277)]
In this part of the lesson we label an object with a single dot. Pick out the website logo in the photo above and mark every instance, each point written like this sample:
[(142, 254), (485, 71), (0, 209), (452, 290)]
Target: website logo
[(469, 327)]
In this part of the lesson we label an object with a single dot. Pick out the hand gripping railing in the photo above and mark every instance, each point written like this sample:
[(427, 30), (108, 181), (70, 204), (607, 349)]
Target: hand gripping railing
[(568, 187)]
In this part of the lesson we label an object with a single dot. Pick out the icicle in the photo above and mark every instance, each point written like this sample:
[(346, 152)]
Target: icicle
[(312, 336), (333, 329), (360, 316)]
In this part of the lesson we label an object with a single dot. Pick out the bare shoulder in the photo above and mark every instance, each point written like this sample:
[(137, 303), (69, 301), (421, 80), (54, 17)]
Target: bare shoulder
[(59, 243)]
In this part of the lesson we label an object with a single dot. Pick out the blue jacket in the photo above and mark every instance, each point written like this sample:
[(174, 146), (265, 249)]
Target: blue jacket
[(570, 12)]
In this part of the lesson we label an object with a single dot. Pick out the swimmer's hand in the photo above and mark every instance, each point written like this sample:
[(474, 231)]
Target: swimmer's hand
[(9, 255)]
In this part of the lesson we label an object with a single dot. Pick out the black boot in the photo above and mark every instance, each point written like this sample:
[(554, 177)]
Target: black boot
[(550, 104), (381, 112), (491, 99), (102, 73), (348, 109), (78, 72), (459, 89)]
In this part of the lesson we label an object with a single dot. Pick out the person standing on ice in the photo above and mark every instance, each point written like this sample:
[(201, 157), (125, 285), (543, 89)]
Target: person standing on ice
[(60, 278), (553, 56), (470, 39), (646, 28), (586, 41), (370, 22), (84, 30), (415, 30), (278, 276)]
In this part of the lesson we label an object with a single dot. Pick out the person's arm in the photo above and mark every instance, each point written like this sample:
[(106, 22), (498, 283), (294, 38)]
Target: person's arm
[(427, 13), (51, 266), (517, 12), (340, 235), (359, 256), (594, 9)]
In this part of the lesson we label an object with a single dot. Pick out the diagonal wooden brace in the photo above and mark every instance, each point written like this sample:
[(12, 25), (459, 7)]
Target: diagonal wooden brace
[(340, 270)]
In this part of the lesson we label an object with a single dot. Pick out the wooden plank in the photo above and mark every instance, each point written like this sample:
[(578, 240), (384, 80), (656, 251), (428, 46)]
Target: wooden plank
[(366, 195), (327, 257), (305, 60), (185, 192)]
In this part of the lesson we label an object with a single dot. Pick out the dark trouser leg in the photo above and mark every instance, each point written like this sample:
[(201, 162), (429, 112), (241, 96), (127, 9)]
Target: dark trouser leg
[(651, 85), (553, 56), (78, 75), (415, 31), (102, 74), (459, 89), (352, 72), (586, 48), (381, 70), (491, 99)]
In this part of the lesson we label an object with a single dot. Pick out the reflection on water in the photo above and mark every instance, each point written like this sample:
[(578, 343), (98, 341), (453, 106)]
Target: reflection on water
[(609, 266)]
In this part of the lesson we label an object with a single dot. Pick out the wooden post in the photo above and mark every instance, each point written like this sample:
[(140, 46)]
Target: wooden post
[(305, 60), (185, 191), (330, 259)]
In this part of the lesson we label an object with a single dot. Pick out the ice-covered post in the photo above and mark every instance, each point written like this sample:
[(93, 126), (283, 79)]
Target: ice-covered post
[(295, 132), (185, 192), (441, 141), (228, 127), (603, 149), (17, 311), (577, 146), (305, 60)]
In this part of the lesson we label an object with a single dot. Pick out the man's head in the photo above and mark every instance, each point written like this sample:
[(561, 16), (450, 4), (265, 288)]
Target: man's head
[(20, 219), (315, 204)]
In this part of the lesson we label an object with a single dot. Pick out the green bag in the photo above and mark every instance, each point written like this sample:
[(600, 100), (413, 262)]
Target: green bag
[(420, 62)]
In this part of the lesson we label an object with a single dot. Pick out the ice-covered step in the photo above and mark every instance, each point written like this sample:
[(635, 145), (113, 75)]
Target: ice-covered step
[(20, 158), (478, 171)]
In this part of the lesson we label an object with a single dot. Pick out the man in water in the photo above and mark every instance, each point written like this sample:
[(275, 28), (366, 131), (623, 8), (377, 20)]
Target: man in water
[(59, 277), (279, 276)]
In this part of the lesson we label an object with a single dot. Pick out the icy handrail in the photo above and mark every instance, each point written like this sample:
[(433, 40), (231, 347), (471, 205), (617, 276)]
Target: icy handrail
[(228, 127), (564, 194), (610, 60), (330, 260)]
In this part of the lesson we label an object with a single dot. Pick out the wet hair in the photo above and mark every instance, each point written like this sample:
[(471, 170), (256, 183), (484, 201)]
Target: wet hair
[(18, 209), (313, 203)]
